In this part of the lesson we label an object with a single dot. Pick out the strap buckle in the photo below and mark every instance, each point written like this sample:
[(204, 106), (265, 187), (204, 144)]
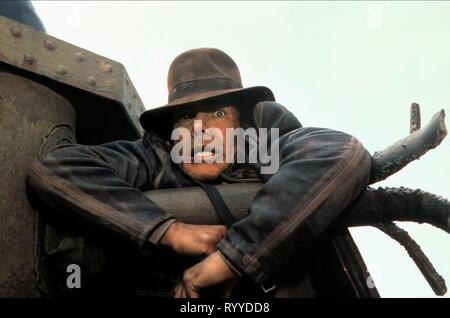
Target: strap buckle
[(268, 286)]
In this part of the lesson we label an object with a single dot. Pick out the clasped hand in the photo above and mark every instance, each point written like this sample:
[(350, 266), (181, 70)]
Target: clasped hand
[(212, 271)]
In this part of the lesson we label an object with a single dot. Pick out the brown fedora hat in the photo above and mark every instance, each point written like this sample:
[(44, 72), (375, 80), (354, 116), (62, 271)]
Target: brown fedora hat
[(203, 76)]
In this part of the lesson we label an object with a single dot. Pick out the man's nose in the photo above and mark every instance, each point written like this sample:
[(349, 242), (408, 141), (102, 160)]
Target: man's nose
[(201, 116), (200, 122)]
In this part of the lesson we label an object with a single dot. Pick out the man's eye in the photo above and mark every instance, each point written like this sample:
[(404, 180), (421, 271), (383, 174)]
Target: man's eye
[(219, 113), (186, 116)]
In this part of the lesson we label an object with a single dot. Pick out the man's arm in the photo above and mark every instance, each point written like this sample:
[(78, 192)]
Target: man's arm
[(100, 187), (321, 172)]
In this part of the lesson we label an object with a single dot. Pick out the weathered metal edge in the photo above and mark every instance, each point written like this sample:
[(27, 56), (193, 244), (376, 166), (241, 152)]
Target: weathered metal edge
[(37, 52)]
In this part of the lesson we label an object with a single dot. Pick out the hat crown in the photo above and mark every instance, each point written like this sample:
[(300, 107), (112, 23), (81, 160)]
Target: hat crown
[(202, 64), (202, 77)]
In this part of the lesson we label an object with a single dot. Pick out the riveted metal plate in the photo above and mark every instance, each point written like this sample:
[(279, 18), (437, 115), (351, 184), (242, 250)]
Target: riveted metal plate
[(34, 52)]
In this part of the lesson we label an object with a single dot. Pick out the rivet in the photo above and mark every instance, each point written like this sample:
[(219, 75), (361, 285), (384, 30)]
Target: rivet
[(127, 82), (106, 67), (29, 58), (16, 32), (91, 80), (79, 56), (134, 96), (49, 45), (61, 70)]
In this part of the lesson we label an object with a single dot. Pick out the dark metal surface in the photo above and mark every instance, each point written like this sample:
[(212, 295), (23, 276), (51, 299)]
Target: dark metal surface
[(36, 70), (31, 118), (21, 11)]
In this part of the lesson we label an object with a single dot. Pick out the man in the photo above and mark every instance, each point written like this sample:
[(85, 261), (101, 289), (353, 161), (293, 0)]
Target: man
[(320, 172)]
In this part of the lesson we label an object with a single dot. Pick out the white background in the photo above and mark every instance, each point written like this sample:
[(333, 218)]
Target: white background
[(351, 66)]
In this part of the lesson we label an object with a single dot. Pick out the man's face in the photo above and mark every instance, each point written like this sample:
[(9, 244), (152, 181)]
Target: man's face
[(220, 118)]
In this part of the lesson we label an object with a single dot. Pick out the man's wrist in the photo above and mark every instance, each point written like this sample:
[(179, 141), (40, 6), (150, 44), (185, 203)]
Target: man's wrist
[(232, 268)]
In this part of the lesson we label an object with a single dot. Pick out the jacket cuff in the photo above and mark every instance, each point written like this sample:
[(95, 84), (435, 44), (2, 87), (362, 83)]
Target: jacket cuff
[(229, 263), (159, 231), (243, 264)]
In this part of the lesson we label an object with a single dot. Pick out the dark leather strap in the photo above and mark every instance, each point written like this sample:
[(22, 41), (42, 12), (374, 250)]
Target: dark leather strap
[(218, 203), (227, 218)]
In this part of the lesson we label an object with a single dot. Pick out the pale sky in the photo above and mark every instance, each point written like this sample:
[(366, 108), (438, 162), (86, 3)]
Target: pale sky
[(351, 66)]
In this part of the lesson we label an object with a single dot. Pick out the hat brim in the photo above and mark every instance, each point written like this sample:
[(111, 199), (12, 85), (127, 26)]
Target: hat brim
[(158, 120)]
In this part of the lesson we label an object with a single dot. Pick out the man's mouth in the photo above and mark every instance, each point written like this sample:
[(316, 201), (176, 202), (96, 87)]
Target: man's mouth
[(204, 153), (201, 155)]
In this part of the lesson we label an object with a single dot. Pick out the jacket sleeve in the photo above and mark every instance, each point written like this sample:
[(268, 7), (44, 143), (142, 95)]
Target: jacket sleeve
[(320, 172), (100, 187)]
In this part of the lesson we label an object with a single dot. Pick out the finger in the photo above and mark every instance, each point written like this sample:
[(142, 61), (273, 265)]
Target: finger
[(180, 293), (177, 291), (221, 229), (215, 228), (183, 292)]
